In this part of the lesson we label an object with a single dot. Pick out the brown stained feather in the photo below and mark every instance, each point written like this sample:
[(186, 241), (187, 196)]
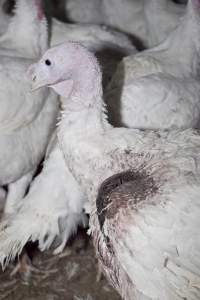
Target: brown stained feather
[(123, 191)]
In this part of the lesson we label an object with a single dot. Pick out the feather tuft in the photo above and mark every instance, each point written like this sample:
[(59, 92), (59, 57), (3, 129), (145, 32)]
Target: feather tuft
[(17, 230)]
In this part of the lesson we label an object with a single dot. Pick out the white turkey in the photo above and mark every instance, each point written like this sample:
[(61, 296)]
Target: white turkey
[(110, 46), (26, 119), (51, 211), (5, 12), (159, 88), (149, 20), (142, 218), (93, 36)]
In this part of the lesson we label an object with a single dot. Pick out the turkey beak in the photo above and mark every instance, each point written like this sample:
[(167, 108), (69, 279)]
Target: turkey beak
[(34, 86), (36, 83)]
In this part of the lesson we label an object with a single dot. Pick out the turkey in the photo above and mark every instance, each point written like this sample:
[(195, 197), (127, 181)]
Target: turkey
[(51, 211), (91, 35), (149, 20), (5, 12), (141, 218), (109, 45), (159, 88), (26, 119)]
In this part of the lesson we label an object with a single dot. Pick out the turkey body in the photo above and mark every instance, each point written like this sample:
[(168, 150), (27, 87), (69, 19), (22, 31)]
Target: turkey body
[(159, 88), (20, 122), (142, 186), (151, 21), (26, 120)]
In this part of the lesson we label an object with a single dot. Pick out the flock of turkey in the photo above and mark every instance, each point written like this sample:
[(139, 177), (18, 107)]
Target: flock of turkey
[(113, 107)]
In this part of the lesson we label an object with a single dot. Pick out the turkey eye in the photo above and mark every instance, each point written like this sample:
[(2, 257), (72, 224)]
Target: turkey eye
[(47, 62)]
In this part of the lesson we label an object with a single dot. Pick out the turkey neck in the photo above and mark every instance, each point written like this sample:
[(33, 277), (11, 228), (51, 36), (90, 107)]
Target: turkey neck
[(83, 121), (84, 112)]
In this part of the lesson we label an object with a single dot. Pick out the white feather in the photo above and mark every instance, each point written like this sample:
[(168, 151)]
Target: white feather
[(51, 210)]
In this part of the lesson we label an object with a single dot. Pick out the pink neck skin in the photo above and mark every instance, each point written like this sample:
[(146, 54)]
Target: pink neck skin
[(40, 14)]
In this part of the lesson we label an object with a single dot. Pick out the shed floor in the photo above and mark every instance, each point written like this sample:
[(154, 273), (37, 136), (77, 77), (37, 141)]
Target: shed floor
[(69, 276)]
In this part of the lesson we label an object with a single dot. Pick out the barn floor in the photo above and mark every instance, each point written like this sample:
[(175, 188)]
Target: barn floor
[(72, 275), (69, 276)]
